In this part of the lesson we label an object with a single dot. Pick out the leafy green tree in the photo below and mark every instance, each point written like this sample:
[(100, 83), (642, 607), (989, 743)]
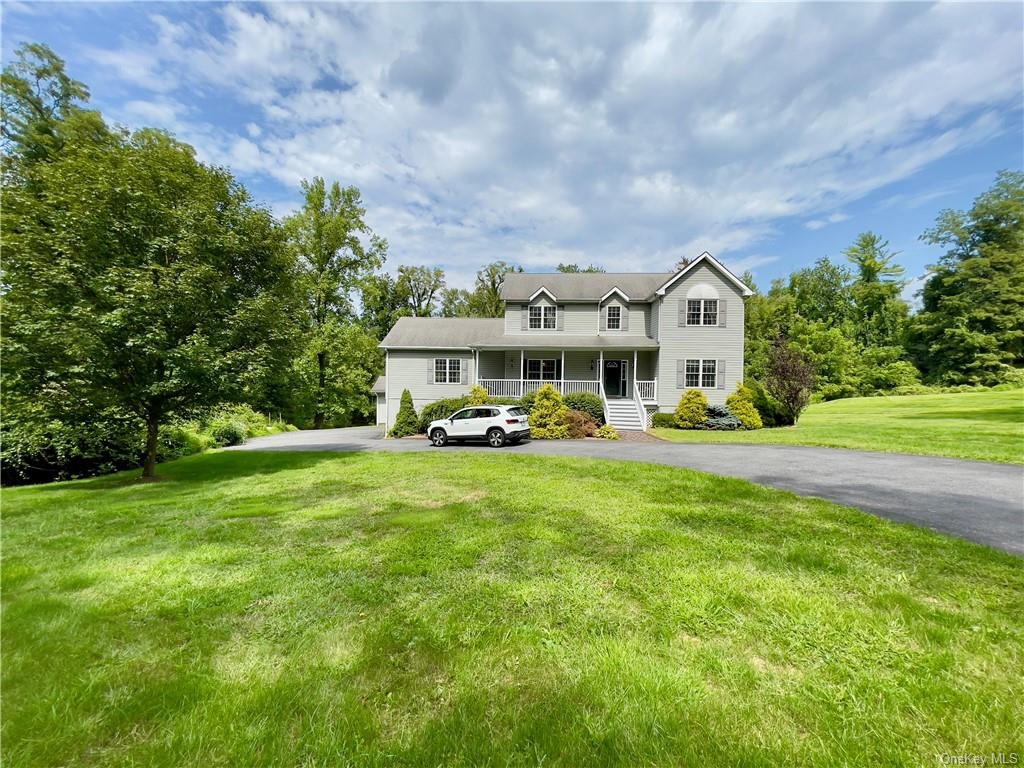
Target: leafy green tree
[(485, 300), (455, 302), (355, 361), (576, 268), (382, 304), (880, 315), (971, 327), (823, 292), (41, 106), (139, 279), (336, 251), (420, 287)]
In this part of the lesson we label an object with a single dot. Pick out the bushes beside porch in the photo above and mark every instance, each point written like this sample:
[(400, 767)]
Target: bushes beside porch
[(575, 416)]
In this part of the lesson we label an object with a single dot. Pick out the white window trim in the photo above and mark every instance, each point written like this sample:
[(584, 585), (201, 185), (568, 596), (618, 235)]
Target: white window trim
[(618, 318), (540, 318), (701, 361), (703, 312), (448, 370), (548, 313)]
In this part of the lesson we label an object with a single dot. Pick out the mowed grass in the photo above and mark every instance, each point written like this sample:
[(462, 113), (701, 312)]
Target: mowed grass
[(986, 425), (486, 609)]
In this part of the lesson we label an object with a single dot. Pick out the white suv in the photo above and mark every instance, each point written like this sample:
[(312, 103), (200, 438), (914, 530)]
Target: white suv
[(497, 424)]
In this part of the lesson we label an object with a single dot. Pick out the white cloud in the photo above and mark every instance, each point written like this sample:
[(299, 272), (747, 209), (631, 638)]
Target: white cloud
[(624, 135)]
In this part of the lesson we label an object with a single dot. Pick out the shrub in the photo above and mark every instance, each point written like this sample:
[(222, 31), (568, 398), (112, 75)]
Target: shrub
[(580, 424), (228, 433), (478, 395), (692, 409), (720, 419), (789, 379), (526, 401), (664, 421), (766, 405), (547, 417), (183, 439), (607, 432), (440, 409), (406, 422), (741, 405), (837, 391), (587, 402)]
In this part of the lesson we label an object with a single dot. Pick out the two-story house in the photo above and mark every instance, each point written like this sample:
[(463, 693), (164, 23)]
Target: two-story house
[(638, 340)]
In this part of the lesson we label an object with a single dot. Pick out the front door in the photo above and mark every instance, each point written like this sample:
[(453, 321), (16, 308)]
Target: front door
[(615, 378)]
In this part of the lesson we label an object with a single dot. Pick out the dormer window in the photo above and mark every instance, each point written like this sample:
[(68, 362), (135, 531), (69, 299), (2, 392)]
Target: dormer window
[(614, 318), (542, 318)]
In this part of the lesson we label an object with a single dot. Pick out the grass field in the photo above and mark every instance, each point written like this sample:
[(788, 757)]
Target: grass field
[(988, 426), (465, 609)]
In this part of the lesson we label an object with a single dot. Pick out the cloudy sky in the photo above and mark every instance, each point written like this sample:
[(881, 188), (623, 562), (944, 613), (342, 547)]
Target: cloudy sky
[(623, 135)]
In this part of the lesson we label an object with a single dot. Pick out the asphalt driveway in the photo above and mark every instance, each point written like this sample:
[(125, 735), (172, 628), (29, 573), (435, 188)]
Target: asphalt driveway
[(975, 500)]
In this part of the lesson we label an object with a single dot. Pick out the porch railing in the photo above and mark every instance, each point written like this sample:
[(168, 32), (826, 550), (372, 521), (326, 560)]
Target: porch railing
[(520, 387), (648, 390)]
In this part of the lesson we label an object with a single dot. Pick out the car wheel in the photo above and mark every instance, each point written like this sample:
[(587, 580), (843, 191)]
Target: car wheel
[(496, 438), (439, 438)]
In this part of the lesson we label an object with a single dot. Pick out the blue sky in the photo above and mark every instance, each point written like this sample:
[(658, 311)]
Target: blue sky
[(622, 135)]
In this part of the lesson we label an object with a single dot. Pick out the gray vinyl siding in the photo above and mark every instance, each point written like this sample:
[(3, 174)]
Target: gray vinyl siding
[(653, 313), (577, 364), (574, 318), (703, 342), (407, 369), (638, 317), (492, 365), (381, 402)]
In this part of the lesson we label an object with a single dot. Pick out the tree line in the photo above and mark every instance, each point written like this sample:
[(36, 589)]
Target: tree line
[(140, 285)]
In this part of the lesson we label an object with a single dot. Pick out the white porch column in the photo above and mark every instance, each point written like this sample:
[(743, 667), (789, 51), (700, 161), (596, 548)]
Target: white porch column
[(600, 366), (561, 375), (476, 366), (522, 373), (634, 369)]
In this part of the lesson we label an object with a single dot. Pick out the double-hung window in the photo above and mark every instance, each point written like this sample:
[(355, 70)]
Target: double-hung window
[(543, 317), (702, 311), (447, 370), (614, 318), (693, 373), (708, 374), (701, 374)]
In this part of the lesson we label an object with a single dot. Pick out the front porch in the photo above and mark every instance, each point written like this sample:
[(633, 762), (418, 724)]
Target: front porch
[(623, 376)]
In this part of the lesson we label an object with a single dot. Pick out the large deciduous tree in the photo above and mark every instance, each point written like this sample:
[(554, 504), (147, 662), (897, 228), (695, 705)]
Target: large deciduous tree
[(971, 326), (880, 315), (486, 300), (336, 252), (138, 278)]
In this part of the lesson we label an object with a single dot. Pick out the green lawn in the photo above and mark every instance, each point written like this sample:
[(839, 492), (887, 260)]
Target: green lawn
[(985, 425), (487, 609)]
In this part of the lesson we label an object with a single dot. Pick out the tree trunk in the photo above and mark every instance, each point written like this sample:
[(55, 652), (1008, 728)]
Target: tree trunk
[(320, 416), (152, 431)]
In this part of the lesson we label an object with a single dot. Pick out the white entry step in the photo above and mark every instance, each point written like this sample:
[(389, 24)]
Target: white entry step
[(623, 415)]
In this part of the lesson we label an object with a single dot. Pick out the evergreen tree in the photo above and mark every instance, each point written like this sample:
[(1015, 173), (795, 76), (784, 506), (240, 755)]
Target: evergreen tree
[(971, 327)]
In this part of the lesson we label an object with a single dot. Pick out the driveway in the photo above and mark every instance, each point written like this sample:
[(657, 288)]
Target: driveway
[(974, 500)]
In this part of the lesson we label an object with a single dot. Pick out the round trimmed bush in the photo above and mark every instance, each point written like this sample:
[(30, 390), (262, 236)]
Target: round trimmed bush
[(692, 409), (741, 405)]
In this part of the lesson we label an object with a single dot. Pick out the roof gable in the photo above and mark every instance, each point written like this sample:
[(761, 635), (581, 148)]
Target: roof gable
[(711, 260)]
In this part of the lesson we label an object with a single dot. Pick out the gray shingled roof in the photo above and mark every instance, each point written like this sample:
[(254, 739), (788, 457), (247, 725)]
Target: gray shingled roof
[(442, 332), (378, 385), (583, 286), (561, 341)]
